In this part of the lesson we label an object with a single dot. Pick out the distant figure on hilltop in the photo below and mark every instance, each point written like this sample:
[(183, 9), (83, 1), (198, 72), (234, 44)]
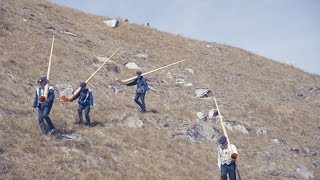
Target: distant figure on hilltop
[(44, 108), (142, 89), (85, 103), (227, 155)]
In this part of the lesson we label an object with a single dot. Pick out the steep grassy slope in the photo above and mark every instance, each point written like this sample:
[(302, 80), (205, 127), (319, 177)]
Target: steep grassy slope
[(251, 90)]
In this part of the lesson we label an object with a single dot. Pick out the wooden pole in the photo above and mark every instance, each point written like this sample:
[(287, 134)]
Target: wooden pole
[(226, 135), (222, 124), (130, 79), (46, 88), (71, 98)]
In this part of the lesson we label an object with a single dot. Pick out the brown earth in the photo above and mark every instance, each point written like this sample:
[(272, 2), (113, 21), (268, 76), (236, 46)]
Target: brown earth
[(251, 90)]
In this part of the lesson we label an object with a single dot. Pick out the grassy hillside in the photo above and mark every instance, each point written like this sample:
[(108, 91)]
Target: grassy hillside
[(252, 91)]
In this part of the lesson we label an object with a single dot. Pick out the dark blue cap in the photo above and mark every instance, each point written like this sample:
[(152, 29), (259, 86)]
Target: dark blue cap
[(83, 84), (222, 140), (42, 79)]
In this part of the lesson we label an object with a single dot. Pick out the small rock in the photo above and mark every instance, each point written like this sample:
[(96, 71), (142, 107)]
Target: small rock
[(101, 59), (132, 65), (261, 131), (141, 55), (235, 126), (209, 46), (69, 33), (201, 116), (112, 23), (212, 113), (305, 172), (278, 141), (114, 89), (190, 70), (180, 81), (64, 90), (202, 93), (133, 122), (300, 94), (188, 84)]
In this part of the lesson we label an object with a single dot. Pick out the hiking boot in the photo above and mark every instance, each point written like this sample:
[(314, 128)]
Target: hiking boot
[(87, 124), (77, 122), (52, 131), (143, 111)]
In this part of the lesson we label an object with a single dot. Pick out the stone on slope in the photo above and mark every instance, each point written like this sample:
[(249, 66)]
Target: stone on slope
[(202, 93), (132, 65)]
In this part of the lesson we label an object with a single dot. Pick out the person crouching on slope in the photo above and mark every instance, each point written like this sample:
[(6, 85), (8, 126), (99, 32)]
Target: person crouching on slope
[(226, 159), (85, 103), (44, 108)]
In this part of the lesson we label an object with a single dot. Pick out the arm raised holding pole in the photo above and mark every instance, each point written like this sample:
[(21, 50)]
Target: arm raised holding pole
[(71, 98), (149, 72)]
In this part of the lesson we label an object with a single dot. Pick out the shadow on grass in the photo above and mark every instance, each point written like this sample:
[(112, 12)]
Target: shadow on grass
[(97, 123)]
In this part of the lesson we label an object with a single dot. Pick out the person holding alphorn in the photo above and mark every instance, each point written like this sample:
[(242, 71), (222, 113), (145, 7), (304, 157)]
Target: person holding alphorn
[(44, 105)]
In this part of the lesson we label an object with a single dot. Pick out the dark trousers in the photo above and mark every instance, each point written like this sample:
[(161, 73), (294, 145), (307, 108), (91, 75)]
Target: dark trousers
[(142, 103), (228, 169), (86, 113), (44, 114)]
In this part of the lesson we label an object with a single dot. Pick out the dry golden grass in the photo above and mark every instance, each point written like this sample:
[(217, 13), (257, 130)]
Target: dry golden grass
[(251, 89)]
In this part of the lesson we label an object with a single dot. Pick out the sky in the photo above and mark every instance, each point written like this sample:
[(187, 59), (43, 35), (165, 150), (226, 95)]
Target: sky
[(282, 30)]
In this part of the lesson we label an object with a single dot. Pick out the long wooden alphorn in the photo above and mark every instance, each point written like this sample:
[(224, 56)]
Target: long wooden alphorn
[(236, 156), (46, 87), (224, 131), (130, 79), (71, 98)]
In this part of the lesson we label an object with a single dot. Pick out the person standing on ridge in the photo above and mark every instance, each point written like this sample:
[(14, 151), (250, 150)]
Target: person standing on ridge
[(142, 89), (226, 159), (44, 108), (85, 103)]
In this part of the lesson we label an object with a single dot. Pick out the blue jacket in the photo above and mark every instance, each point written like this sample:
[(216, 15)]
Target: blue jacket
[(85, 97), (40, 92), (142, 85)]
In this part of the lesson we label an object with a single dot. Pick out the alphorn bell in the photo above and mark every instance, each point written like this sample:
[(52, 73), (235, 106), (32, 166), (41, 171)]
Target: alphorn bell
[(71, 98), (233, 155), (46, 87), (130, 79)]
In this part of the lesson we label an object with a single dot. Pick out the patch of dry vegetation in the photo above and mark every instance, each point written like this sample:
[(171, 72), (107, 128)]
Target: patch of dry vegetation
[(251, 89)]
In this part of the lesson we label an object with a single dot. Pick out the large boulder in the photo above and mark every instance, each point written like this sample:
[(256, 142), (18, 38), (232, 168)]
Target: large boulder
[(236, 126), (202, 132)]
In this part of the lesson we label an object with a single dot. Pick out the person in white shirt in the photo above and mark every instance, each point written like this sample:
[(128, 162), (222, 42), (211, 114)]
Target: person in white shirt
[(44, 106), (227, 155)]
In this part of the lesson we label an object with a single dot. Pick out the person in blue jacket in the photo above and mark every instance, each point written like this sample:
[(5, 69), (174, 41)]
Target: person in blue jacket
[(85, 103), (142, 89), (44, 108)]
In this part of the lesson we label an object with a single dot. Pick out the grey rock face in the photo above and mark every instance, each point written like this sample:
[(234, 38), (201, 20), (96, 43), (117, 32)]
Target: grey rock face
[(202, 132), (305, 172)]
